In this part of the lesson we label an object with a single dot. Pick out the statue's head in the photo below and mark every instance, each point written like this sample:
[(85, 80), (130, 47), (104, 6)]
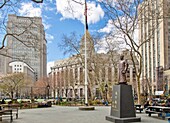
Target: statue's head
[(121, 57)]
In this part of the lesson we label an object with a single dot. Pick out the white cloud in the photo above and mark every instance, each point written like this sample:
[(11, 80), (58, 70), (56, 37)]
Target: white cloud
[(27, 9), (47, 5), (47, 17), (108, 28), (46, 25), (72, 10), (49, 8), (49, 65), (49, 38), (109, 42)]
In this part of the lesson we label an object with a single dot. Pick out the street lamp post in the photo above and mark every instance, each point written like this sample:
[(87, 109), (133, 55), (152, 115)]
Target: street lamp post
[(146, 95), (12, 92), (17, 93), (106, 89), (54, 82), (31, 93), (66, 93), (58, 91)]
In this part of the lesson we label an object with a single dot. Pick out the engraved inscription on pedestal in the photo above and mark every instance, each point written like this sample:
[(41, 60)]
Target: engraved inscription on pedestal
[(114, 102)]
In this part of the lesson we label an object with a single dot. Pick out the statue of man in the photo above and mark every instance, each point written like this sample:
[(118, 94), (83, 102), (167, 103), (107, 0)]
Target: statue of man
[(123, 66)]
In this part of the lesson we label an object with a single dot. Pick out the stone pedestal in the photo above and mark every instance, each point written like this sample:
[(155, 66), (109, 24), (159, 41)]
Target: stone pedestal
[(122, 108)]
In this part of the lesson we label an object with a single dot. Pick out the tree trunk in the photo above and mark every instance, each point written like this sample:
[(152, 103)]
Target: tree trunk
[(139, 96), (12, 93)]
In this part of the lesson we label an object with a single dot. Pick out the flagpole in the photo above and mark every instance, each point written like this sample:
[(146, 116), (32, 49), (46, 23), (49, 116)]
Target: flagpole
[(85, 43), (86, 107)]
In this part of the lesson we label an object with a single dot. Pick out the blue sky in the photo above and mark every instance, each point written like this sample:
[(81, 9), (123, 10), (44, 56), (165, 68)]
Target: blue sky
[(57, 21)]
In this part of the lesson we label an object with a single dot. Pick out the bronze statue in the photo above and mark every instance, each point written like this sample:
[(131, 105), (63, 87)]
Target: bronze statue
[(123, 66)]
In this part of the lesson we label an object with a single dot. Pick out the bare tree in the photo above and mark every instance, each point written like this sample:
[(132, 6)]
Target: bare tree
[(125, 15), (40, 87), (97, 62), (112, 45), (12, 83), (70, 43)]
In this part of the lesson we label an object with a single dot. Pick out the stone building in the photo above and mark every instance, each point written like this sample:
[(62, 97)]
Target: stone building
[(67, 75), (21, 67), (154, 33)]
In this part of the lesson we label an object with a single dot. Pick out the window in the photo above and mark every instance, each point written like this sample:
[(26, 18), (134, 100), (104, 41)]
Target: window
[(81, 92)]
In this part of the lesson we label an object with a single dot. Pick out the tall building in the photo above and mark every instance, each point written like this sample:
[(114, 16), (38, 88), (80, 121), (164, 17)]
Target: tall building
[(27, 43), (154, 33), (2, 62)]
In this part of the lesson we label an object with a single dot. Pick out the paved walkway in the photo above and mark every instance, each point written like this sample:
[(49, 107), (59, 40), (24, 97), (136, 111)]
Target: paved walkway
[(64, 114)]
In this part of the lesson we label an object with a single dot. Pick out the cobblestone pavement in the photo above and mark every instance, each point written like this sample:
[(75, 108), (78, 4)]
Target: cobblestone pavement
[(64, 114)]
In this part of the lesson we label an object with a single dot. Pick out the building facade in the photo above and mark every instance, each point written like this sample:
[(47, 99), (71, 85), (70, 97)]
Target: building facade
[(154, 35), (27, 43), (67, 75), (21, 67)]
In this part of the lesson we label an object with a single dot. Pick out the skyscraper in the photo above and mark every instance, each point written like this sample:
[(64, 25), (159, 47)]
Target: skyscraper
[(27, 43)]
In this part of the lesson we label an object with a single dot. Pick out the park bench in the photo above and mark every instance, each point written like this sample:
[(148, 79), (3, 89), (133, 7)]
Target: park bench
[(138, 108), (6, 112), (149, 112), (160, 110), (13, 107)]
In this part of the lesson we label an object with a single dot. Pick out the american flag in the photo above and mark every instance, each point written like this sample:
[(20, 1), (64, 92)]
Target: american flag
[(85, 13)]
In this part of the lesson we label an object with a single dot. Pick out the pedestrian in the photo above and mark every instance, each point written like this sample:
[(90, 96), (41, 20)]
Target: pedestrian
[(106, 103), (146, 104), (3, 101), (103, 102), (154, 103)]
